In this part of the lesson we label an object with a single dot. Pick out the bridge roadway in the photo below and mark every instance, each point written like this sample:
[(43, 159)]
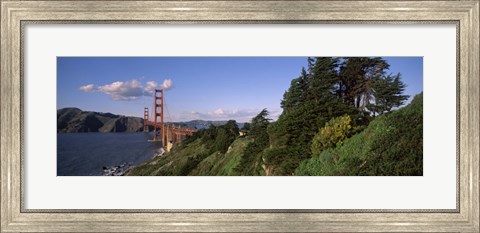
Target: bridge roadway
[(176, 132)]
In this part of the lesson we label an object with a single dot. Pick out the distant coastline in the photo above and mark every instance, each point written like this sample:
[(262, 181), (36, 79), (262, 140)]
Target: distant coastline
[(75, 120)]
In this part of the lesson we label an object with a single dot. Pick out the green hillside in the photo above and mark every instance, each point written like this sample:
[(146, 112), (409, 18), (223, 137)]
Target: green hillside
[(391, 145), (215, 151), (194, 159), (341, 117)]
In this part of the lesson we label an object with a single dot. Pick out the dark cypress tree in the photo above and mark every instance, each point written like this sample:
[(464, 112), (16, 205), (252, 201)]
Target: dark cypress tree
[(375, 68), (259, 124), (351, 75), (290, 136), (311, 65), (225, 135), (297, 92), (356, 77), (387, 93), (250, 162), (324, 78)]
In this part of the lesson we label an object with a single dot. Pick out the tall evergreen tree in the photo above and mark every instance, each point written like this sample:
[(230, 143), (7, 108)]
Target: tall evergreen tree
[(356, 77), (324, 78), (387, 93), (374, 69), (297, 92), (296, 127), (259, 124), (249, 163), (225, 135), (351, 74), (311, 65)]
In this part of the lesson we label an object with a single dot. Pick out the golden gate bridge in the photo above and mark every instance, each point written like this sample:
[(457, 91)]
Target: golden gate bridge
[(167, 133)]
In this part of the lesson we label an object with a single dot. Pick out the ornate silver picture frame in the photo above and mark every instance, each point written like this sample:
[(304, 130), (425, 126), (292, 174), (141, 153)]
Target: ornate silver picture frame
[(16, 14)]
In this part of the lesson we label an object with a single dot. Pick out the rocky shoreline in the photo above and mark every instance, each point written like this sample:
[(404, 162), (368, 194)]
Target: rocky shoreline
[(124, 168), (117, 170)]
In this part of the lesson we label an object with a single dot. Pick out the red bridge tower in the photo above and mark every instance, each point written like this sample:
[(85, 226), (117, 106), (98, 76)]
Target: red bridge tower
[(158, 123), (162, 131), (145, 120)]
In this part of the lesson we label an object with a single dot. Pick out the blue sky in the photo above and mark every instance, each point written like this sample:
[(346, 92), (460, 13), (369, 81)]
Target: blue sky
[(208, 88)]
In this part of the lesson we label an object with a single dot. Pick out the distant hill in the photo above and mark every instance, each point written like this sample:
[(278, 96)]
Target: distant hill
[(74, 120), (202, 124)]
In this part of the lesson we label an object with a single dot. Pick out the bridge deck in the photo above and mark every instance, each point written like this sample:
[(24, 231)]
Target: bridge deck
[(176, 130)]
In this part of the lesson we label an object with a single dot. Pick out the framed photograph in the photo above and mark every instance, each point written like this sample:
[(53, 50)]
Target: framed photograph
[(239, 116)]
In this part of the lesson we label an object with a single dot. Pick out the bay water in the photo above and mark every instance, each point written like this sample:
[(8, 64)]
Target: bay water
[(87, 154)]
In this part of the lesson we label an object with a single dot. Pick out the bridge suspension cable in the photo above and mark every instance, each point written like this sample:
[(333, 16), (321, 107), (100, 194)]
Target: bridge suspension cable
[(159, 125)]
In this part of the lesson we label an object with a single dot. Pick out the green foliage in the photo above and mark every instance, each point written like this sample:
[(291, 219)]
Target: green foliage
[(178, 162), (299, 126), (193, 137), (324, 76), (250, 164), (209, 134), (246, 126), (217, 138), (231, 160), (356, 77), (392, 145), (334, 132), (298, 91), (224, 136), (259, 124), (339, 96), (296, 128), (186, 156), (398, 151), (387, 92), (321, 165), (309, 110), (282, 161), (222, 141), (195, 160)]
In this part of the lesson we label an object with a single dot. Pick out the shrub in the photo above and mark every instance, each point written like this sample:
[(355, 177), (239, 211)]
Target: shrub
[(334, 132)]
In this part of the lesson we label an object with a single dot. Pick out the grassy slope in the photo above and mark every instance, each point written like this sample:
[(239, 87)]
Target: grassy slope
[(218, 164), (391, 145), (193, 159)]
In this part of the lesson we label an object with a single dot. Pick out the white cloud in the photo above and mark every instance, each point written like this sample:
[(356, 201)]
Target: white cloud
[(88, 88), (240, 115), (167, 84), (151, 86), (128, 90), (219, 112)]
